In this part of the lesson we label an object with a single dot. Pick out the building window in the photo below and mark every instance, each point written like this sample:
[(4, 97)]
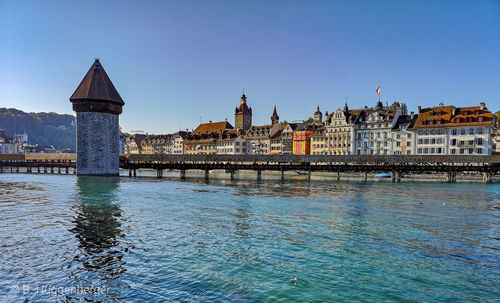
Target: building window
[(453, 142), (471, 150), (479, 150), (479, 141), (454, 132)]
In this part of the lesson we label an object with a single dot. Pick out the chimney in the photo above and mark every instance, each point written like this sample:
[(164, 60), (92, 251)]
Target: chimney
[(454, 111), (419, 109), (483, 106), (210, 121), (412, 115)]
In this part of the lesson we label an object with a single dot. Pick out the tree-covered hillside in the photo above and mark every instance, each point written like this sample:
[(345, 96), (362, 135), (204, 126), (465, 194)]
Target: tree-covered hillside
[(42, 128)]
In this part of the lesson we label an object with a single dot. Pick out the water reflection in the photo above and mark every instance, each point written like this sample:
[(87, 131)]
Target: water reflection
[(98, 263)]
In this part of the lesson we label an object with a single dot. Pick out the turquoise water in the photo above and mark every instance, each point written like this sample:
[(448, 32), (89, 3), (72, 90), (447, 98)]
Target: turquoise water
[(148, 240)]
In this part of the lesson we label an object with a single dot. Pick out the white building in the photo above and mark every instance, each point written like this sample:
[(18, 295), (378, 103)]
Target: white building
[(402, 135), (232, 142), (373, 128), (178, 142), (448, 130), (258, 140), (8, 145)]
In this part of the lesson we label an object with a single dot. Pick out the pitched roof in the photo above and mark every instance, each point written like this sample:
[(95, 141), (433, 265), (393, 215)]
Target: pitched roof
[(96, 85), (450, 116), (212, 127)]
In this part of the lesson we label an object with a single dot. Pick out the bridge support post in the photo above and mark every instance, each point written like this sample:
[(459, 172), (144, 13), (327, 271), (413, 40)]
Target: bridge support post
[(282, 174), (183, 174), (159, 173), (398, 176), (130, 172), (17, 169), (11, 169), (338, 175), (45, 169), (135, 172), (38, 168), (207, 174), (67, 170), (366, 176), (393, 176), (52, 169), (59, 170), (486, 177), (232, 175), (259, 175), (309, 175)]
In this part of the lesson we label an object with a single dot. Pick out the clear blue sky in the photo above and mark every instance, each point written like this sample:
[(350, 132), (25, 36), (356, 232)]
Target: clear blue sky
[(174, 61)]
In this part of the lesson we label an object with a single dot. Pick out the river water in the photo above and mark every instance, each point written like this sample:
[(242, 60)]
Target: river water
[(66, 238)]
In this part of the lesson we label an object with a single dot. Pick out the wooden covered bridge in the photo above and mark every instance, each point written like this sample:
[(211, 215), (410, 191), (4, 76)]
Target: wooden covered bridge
[(396, 165)]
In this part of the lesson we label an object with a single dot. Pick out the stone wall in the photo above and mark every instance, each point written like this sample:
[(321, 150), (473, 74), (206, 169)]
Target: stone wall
[(97, 143)]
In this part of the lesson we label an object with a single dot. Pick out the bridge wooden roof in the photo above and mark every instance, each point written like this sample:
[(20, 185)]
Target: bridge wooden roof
[(96, 85)]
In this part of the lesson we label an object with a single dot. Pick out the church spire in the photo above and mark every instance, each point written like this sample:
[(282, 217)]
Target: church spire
[(275, 118)]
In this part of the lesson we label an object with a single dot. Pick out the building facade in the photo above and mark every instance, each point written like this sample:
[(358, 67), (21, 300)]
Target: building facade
[(318, 142), (203, 140), (340, 131), (372, 129), (448, 130), (258, 141)]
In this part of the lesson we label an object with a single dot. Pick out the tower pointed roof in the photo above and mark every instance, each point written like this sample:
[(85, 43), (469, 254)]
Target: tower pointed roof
[(275, 118), (97, 86)]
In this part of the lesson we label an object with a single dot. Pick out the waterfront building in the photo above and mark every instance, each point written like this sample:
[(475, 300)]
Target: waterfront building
[(448, 130), (232, 142), (496, 142), (133, 144), (258, 141), (340, 131), (302, 139), (157, 144), (372, 128), (318, 142), (276, 139), (9, 145), (287, 137), (203, 140), (402, 135), (178, 142), (243, 115), (97, 105)]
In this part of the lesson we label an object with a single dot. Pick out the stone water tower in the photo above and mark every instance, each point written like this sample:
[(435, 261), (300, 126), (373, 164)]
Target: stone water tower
[(97, 105)]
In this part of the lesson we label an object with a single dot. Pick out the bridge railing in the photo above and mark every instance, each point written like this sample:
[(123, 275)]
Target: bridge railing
[(317, 159)]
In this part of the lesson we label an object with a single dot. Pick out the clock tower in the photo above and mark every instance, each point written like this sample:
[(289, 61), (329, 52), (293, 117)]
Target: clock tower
[(243, 114)]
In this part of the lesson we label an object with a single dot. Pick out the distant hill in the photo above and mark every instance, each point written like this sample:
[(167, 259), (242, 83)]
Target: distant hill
[(42, 128)]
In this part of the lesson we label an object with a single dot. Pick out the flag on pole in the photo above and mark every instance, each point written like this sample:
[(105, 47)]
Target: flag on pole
[(378, 90)]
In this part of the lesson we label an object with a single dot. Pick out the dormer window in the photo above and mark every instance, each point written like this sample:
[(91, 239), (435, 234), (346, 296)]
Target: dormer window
[(480, 119)]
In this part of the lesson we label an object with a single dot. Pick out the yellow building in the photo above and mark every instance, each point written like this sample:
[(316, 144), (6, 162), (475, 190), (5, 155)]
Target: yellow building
[(318, 142)]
